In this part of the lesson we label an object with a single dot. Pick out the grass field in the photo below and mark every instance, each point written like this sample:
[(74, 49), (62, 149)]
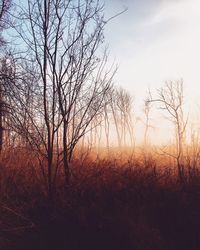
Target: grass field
[(108, 205)]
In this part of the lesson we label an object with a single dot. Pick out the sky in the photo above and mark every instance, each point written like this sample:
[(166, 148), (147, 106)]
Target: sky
[(152, 42), (155, 41)]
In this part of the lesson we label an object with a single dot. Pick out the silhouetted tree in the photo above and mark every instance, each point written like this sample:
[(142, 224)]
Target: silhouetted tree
[(4, 8), (171, 100), (4, 71), (62, 39)]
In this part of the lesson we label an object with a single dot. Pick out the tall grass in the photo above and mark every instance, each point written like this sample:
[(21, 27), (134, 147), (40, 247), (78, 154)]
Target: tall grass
[(109, 204)]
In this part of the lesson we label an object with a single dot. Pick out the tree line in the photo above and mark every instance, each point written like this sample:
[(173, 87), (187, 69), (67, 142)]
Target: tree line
[(55, 81), (57, 90)]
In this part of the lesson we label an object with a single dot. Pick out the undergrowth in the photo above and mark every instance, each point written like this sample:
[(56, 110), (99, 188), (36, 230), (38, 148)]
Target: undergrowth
[(108, 205)]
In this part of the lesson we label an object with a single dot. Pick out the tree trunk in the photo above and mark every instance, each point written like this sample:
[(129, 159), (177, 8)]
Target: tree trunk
[(65, 155), (1, 119)]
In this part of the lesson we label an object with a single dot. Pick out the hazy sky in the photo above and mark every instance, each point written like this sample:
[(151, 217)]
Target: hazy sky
[(155, 41)]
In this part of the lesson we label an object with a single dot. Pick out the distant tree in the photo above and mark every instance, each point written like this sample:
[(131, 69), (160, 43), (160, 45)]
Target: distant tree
[(121, 109), (147, 119), (171, 100), (125, 106)]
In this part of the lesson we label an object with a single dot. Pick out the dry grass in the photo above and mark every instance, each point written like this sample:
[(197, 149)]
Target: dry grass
[(109, 205)]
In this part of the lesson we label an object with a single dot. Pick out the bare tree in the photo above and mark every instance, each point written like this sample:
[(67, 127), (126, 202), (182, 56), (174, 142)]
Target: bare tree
[(125, 106), (171, 100), (121, 109), (62, 39), (115, 116), (147, 120), (107, 125), (4, 8), (4, 71)]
